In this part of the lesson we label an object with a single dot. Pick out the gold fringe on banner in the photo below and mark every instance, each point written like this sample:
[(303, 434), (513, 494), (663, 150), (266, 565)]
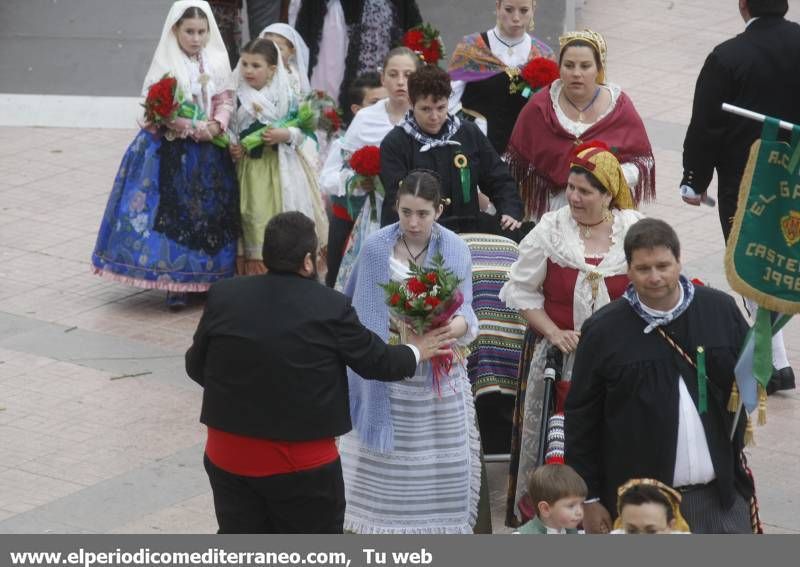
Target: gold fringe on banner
[(762, 405), (733, 401), (749, 438)]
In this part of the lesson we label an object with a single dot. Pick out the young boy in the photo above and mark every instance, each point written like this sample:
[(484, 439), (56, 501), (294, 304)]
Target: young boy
[(558, 493), (368, 90), (647, 506)]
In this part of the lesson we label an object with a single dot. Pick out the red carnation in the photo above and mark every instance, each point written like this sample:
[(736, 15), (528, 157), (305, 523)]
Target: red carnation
[(432, 53), (416, 287), (160, 104), (395, 299), (432, 278), (540, 72), (334, 119), (414, 40), (698, 281), (432, 302), (366, 161)]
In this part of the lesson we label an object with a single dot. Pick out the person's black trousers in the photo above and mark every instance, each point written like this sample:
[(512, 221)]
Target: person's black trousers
[(309, 502)]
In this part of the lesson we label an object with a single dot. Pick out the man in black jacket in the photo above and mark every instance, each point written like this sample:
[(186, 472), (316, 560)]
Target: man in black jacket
[(637, 408), (756, 70), (270, 352)]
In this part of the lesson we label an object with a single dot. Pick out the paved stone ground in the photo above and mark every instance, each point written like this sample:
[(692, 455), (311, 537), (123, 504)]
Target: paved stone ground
[(98, 423)]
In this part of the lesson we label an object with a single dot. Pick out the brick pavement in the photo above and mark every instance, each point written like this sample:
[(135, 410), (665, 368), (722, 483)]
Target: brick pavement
[(98, 424)]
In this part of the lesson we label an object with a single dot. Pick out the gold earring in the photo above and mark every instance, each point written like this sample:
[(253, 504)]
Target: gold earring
[(532, 25)]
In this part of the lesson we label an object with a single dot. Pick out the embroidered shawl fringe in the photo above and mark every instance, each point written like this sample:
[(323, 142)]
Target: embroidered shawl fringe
[(645, 190), (534, 188)]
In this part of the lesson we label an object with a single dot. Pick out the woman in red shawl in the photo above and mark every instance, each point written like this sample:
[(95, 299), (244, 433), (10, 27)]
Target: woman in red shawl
[(579, 106)]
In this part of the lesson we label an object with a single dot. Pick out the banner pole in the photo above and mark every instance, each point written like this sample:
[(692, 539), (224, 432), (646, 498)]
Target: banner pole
[(753, 115)]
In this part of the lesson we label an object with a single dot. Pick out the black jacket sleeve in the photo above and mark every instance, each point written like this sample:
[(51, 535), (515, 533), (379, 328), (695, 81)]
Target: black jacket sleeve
[(196, 355), (583, 414), (396, 159), (368, 355), (496, 181), (705, 135)]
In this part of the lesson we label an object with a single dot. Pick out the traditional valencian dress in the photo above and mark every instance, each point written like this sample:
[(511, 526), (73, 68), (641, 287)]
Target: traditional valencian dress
[(544, 138), (412, 462), (553, 273), (483, 69), (172, 218), (368, 128), (274, 179)]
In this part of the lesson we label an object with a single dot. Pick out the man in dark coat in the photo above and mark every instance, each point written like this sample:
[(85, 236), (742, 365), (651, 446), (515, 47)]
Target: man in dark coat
[(270, 353), (637, 408), (756, 70)]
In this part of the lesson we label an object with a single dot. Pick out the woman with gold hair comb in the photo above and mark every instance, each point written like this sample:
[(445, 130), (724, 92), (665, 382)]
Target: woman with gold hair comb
[(579, 106), (570, 264)]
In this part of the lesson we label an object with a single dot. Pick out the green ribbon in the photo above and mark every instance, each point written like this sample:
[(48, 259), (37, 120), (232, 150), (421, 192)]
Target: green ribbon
[(702, 381), (762, 350), (466, 179), (190, 110), (302, 118)]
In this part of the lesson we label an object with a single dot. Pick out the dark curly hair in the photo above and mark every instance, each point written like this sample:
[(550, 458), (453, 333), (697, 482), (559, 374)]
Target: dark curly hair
[(429, 81)]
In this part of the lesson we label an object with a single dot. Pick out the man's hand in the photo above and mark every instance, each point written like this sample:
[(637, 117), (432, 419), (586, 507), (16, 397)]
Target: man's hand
[(596, 519), (433, 343), (509, 223), (566, 341), (690, 197)]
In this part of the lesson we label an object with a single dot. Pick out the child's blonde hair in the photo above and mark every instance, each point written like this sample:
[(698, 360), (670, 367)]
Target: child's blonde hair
[(550, 483)]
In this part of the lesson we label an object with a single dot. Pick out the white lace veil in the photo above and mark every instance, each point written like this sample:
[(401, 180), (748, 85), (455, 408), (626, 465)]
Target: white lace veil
[(300, 51), (273, 101), (169, 58)]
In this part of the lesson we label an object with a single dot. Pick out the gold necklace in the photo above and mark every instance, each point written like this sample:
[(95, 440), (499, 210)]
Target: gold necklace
[(586, 229)]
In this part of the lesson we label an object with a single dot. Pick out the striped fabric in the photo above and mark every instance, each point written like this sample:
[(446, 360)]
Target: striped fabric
[(703, 512), (494, 360), (430, 482)]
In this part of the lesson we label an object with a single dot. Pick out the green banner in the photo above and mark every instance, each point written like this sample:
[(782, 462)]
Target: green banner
[(762, 259)]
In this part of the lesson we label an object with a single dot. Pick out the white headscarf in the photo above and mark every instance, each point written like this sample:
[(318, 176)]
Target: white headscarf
[(266, 105), (170, 59), (300, 51)]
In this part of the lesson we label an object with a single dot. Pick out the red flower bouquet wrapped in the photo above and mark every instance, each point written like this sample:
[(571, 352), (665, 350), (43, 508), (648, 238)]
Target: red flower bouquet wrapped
[(366, 163), (425, 41), (163, 104), (427, 300), (160, 105), (535, 75)]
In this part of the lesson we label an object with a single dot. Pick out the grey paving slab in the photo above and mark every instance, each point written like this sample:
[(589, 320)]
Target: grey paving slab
[(105, 506), (124, 358)]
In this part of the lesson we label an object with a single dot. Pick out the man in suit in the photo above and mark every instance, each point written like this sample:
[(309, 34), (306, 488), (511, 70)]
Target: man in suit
[(756, 70), (270, 352)]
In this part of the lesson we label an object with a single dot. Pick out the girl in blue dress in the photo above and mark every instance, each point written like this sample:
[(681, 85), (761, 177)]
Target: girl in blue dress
[(172, 218)]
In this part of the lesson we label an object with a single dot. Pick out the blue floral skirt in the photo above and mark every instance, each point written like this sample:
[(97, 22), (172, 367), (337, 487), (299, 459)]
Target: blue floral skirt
[(172, 218)]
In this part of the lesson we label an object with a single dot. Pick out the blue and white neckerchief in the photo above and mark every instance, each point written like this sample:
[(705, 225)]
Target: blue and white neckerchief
[(656, 321), (412, 128)]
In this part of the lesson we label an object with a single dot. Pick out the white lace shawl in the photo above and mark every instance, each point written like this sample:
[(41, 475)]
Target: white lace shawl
[(556, 238)]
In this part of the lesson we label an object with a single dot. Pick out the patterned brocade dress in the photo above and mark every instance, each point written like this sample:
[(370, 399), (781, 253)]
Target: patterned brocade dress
[(429, 483)]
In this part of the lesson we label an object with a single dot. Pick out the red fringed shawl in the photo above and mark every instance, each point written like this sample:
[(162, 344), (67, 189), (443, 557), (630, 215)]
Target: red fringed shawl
[(539, 150)]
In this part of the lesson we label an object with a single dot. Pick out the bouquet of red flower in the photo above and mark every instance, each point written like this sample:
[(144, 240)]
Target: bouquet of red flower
[(366, 163), (163, 105), (329, 116), (535, 75), (160, 105), (426, 42), (427, 300)]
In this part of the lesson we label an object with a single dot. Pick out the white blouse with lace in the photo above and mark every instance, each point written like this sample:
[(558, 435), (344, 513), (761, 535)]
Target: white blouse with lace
[(556, 238)]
